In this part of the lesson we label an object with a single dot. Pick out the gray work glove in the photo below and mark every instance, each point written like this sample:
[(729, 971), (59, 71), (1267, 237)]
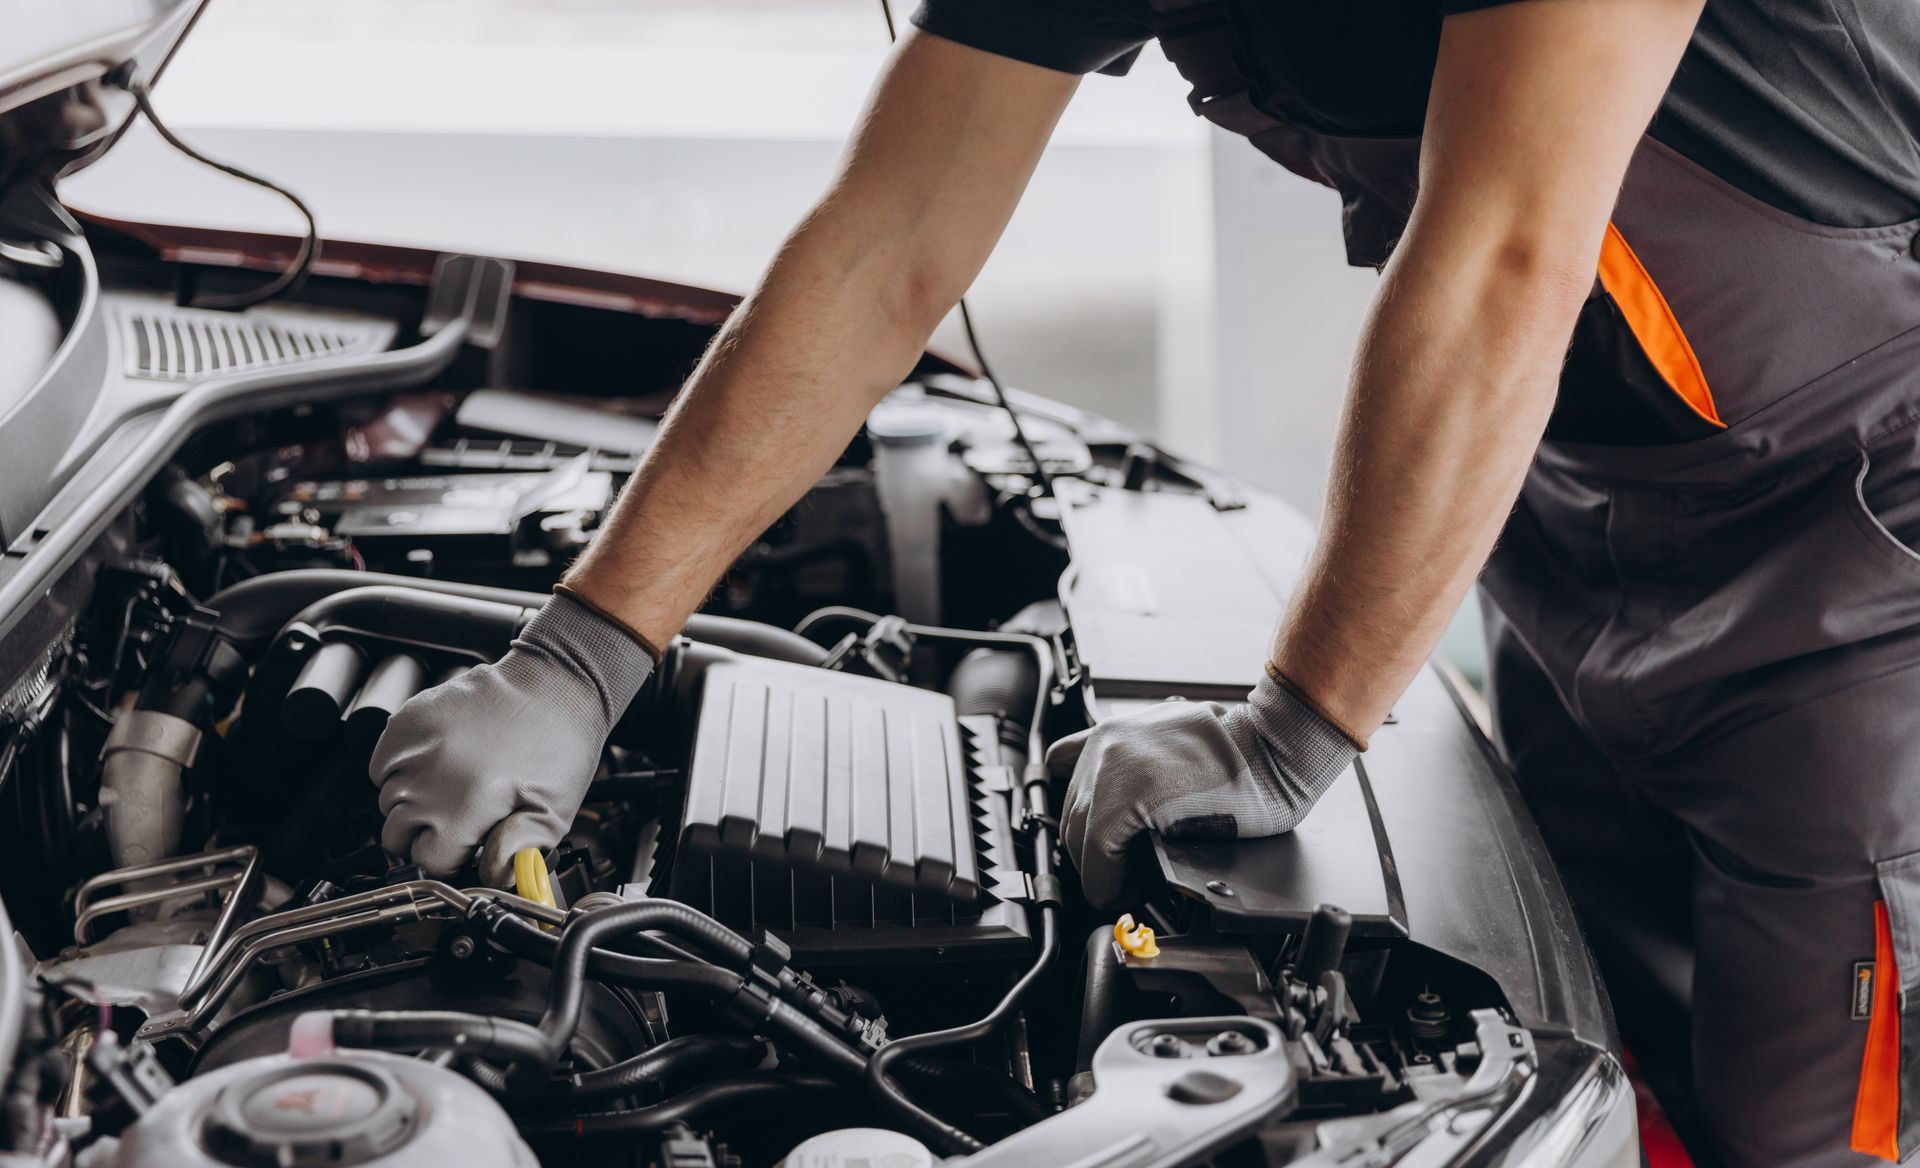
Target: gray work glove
[(499, 758), (1193, 769)]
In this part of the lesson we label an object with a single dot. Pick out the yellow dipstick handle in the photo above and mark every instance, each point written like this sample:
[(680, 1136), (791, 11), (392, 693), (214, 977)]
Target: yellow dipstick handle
[(531, 879), (1135, 940)]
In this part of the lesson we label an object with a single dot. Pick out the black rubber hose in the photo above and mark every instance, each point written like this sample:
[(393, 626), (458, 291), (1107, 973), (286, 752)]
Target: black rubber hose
[(1006, 682), (532, 1051), (730, 1096), (955, 1141), (398, 613), (566, 988), (804, 1033), (200, 686), (1100, 996), (524, 939), (1048, 896), (254, 611), (678, 1058), (675, 1059), (1003, 683), (567, 985), (810, 1038), (410, 1030), (581, 934), (1038, 647), (951, 1076), (490, 1077)]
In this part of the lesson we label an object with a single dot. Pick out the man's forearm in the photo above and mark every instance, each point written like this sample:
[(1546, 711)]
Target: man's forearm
[(1457, 372), (931, 175), (1452, 386), (783, 388)]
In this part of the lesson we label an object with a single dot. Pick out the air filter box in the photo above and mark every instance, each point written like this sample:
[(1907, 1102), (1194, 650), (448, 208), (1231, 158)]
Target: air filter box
[(857, 819)]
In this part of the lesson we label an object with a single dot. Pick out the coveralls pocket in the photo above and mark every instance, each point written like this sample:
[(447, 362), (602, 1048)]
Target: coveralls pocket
[(1753, 601), (1886, 501), (1886, 1118)]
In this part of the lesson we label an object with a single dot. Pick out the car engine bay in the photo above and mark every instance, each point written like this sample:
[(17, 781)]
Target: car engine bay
[(813, 908)]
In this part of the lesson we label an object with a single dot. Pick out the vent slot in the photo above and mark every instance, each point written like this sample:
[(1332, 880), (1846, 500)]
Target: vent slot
[(859, 820), (188, 344)]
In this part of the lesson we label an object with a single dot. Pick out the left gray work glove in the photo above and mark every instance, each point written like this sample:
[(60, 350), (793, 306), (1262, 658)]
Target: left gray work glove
[(1194, 769), (499, 758)]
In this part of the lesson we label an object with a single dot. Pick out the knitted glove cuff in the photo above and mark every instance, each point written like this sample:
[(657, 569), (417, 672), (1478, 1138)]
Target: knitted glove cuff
[(1300, 741), (594, 647), (1306, 699), (653, 651)]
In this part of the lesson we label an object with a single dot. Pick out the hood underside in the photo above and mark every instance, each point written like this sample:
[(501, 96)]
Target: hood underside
[(55, 54)]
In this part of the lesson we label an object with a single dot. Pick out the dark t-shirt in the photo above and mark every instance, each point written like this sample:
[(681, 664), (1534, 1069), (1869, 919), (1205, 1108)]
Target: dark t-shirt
[(1810, 105)]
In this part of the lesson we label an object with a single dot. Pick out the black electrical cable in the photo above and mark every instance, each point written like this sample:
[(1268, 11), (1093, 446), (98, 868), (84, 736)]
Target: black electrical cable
[(1040, 473), (295, 273)]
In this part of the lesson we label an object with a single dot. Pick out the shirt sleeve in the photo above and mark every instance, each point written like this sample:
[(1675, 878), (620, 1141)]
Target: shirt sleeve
[(1072, 36)]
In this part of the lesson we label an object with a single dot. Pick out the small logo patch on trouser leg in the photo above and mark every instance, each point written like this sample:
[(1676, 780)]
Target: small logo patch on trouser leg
[(1862, 990)]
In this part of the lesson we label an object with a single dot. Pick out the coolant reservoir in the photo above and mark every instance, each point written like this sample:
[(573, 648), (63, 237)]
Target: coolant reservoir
[(367, 1108), (860, 1147), (911, 473)]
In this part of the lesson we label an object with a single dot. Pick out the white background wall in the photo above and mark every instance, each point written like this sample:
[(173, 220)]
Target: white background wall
[(1158, 272)]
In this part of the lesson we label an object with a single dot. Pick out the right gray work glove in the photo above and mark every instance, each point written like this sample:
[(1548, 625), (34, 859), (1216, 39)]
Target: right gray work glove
[(1196, 769), (499, 758)]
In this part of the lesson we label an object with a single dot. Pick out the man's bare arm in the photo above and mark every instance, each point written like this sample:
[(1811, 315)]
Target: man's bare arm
[(1535, 112), (930, 178)]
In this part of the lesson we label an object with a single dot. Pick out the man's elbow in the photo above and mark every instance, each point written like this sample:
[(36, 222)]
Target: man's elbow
[(844, 270), (1542, 267), (1524, 285), (927, 292)]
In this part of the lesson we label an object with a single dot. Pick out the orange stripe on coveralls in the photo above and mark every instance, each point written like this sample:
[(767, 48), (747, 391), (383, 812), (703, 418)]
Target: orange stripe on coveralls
[(1876, 1109), (1651, 319)]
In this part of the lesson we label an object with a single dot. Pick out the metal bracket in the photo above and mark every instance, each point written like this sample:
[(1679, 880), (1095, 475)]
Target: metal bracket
[(1167, 1092)]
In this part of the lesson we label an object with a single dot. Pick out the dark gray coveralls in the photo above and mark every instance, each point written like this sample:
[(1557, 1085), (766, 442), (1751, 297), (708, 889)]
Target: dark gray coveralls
[(1701, 627)]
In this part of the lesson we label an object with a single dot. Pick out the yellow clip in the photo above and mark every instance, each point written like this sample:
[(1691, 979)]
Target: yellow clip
[(1135, 940), (531, 879)]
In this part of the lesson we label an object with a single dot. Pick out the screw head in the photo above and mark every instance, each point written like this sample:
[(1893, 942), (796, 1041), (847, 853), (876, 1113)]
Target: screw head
[(1220, 888), (461, 948), (1230, 1042), (1167, 1046)]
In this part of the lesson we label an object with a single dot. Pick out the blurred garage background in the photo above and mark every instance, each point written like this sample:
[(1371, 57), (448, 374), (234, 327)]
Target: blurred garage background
[(1159, 271)]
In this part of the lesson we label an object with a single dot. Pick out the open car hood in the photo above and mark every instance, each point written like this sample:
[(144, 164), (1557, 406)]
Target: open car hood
[(53, 57)]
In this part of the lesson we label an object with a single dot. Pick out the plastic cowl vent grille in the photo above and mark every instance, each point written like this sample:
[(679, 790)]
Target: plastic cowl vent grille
[(848, 814), (190, 344)]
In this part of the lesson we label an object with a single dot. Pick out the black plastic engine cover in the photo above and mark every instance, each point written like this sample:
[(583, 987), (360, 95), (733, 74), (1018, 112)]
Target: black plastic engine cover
[(856, 818)]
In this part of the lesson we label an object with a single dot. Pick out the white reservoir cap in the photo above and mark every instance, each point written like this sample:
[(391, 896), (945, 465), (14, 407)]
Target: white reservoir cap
[(860, 1147), (907, 418)]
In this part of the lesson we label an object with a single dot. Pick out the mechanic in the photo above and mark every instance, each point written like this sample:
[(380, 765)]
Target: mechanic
[(1704, 622)]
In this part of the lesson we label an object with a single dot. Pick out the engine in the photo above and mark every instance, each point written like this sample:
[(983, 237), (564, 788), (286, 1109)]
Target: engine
[(811, 910)]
